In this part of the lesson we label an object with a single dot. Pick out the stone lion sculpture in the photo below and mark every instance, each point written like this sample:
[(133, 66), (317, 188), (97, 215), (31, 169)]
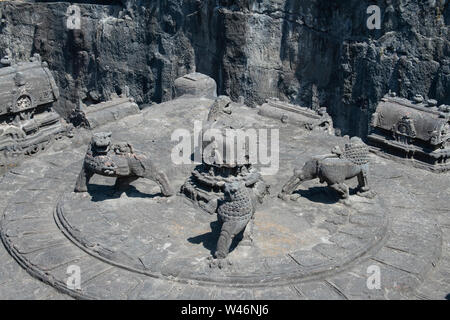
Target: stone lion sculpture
[(335, 169), (234, 213), (120, 161)]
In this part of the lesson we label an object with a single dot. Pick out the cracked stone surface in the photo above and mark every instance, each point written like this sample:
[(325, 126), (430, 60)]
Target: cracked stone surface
[(144, 246), (306, 52)]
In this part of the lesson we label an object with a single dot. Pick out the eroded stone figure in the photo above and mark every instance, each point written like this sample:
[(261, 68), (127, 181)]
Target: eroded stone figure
[(416, 132), (335, 169), (234, 213), (120, 161), (204, 187), (310, 119), (28, 123)]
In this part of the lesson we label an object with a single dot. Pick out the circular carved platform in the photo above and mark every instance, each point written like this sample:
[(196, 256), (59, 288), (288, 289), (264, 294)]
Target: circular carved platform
[(144, 246), (163, 237)]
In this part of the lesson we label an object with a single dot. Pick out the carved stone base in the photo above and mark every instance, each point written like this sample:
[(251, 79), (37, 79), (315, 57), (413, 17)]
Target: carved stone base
[(204, 187), (438, 161), (144, 246), (48, 130)]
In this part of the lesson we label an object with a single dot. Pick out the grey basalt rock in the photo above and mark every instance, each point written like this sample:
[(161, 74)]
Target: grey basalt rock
[(335, 169), (316, 54), (309, 54), (417, 133), (28, 123), (222, 105), (195, 85), (306, 118), (205, 186), (234, 213), (109, 111), (117, 45), (141, 246), (119, 161)]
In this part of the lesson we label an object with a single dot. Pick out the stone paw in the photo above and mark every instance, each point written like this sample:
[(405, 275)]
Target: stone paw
[(246, 242), (167, 193), (221, 263), (82, 194), (346, 202), (283, 196), (370, 194)]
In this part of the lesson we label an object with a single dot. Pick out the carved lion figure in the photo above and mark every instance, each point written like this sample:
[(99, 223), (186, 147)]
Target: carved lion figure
[(234, 213), (120, 161)]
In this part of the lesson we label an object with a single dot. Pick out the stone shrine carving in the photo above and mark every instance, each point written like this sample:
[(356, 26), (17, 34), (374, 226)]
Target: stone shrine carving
[(27, 121), (414, 131)]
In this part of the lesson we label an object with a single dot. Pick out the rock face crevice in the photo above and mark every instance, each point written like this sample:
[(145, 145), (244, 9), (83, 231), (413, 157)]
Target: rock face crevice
[(313, 53)]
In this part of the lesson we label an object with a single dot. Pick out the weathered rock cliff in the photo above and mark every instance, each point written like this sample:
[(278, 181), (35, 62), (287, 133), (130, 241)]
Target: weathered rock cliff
[(311, 52)]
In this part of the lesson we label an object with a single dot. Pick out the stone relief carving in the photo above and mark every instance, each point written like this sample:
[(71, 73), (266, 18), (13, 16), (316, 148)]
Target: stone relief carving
[(120, 161), (334, 169), (27, 121), (310, 119), (415, 131), (234, 213), (204, 187)]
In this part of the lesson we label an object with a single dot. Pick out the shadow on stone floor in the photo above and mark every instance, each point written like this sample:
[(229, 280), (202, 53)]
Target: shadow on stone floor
[(209, 239), (322, 194), (104, 192)]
